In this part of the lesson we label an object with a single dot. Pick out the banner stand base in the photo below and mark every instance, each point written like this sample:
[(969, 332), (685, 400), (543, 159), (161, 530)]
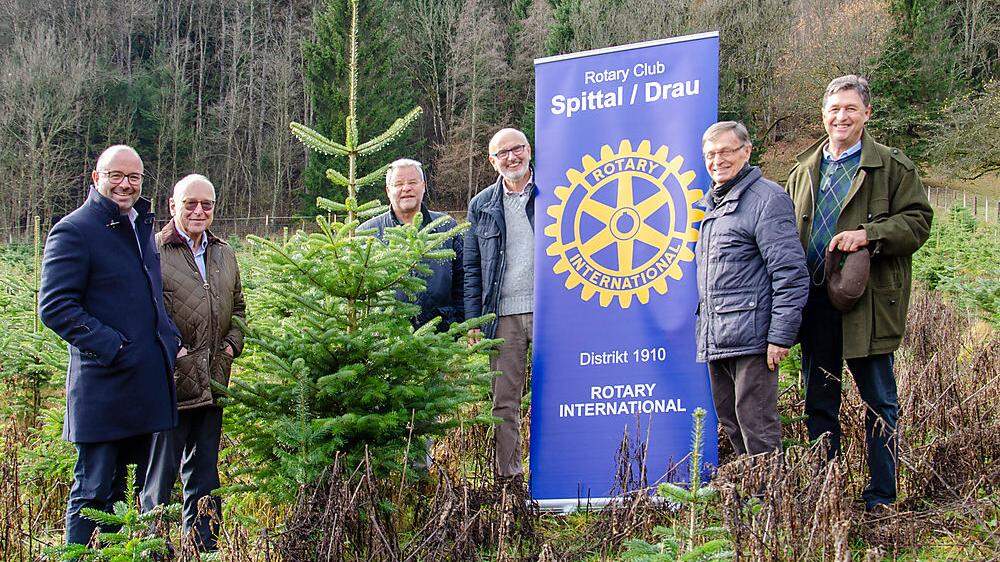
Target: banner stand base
[(572, 505)]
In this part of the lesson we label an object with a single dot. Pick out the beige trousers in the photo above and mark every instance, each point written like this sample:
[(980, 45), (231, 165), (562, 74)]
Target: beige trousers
[(508, 389)]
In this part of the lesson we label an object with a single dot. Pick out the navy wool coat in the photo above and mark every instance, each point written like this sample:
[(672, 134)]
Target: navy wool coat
[(105, 298)]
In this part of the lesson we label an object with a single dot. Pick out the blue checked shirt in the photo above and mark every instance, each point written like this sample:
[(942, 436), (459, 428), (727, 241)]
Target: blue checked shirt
[(836, 176), (199, 252)]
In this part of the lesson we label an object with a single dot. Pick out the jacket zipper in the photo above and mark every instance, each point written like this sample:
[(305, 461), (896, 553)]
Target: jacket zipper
[(708, 294)]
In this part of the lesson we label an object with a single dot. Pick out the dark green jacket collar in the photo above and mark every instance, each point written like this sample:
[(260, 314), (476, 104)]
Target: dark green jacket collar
[(813, 156)]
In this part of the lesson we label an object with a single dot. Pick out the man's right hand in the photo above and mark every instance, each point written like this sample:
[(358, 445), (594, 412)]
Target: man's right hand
[(475, 335), (182, 352), (775, 353)]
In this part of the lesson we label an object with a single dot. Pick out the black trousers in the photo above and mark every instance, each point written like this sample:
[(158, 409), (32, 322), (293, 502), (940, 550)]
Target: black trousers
[(193, 450), (99, 481), (822, 366)]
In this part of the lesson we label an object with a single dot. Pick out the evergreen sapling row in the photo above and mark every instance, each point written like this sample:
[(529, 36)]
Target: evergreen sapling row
[(335, 363)]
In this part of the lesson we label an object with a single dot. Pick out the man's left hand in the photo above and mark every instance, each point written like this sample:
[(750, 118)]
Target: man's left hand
[(850, 240), (228, 350), (775, 354)]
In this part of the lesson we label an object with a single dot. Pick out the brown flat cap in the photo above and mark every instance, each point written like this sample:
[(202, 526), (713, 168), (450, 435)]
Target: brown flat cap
[(846, 277)]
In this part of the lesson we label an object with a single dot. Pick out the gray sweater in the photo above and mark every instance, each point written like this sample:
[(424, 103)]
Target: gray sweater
[(517, 288)]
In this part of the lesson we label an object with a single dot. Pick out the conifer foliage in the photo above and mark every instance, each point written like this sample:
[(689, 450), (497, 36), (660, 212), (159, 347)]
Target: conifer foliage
[(380, 68), (134, 538), (336, 366)]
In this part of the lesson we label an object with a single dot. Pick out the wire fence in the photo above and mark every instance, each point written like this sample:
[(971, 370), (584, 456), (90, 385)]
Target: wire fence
[(223, 227), (981, 206)]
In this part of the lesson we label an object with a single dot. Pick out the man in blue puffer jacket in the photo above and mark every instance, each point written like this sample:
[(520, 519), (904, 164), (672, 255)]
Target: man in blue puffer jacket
[(752, 286)]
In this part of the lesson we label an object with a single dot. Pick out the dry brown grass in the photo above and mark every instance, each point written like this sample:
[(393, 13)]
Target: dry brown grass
[(948, 375), (788, 506)]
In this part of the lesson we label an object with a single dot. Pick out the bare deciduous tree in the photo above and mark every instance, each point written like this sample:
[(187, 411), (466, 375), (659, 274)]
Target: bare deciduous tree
[(40, 109)]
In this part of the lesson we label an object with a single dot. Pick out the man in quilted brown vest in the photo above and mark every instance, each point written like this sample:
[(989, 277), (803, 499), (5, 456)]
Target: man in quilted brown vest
[(203, 295)]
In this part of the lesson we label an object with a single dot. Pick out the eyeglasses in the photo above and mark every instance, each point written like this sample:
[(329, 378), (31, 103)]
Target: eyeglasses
[(515, 150), (116, 177), (206, 205), (725, 153)]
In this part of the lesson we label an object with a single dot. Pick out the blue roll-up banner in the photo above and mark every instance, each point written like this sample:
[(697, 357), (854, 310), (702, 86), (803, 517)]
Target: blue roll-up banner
[(619, 170)]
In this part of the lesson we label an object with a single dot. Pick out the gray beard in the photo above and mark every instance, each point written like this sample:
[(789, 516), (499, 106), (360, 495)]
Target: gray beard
[(515, 176)]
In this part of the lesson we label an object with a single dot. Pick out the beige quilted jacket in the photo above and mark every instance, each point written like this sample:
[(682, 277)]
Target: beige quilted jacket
[(203, 313)]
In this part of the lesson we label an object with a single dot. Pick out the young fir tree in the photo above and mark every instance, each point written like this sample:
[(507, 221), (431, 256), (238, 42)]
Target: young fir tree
[(382, 68), (135, 539), (336, 364)]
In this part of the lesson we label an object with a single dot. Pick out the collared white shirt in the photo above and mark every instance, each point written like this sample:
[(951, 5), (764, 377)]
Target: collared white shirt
[(846, 154), (199, 252), (132, 216)]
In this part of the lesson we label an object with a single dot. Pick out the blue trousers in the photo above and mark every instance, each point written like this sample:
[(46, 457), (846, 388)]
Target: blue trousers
[(193, 450), (822, 366), (99, 481)]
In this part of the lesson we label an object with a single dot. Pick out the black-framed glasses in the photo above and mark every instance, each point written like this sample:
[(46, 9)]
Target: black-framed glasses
[(725, 153), (116, 177), (192, 204), (515, 150)]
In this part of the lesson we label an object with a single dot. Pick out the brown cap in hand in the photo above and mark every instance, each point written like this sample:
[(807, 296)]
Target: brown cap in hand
[(846, 277)]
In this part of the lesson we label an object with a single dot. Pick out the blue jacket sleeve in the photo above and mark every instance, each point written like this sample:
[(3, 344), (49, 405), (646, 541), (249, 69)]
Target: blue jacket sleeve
[(778, 241), (473, 275), (458, 281), (65, 270)]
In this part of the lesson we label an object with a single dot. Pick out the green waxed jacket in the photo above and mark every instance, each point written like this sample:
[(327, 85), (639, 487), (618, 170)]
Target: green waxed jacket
[(887, 199)]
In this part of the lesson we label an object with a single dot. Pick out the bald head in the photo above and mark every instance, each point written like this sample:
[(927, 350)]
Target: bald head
[(504, 134), (112, 153), (192, 181), (193, 205), (510, 155), (118, 176)]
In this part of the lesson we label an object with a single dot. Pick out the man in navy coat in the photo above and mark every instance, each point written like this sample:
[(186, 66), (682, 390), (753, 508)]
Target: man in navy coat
[(101, 292)]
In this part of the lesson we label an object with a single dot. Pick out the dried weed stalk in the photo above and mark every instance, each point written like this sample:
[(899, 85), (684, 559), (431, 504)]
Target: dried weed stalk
[(16, 542), (786, 506), (448, 515)]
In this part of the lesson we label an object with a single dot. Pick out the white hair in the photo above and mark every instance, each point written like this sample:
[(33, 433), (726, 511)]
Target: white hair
[(390, 174), (722, 127), (181, 186)]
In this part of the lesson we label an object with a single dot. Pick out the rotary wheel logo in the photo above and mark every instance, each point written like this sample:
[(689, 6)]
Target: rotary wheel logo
[(624, 224)]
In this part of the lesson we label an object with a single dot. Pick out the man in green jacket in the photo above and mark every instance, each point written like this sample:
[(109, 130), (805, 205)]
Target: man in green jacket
[(852, 193)]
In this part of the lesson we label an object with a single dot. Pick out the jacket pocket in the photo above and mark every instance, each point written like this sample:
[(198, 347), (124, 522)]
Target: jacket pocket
[(888, 313), (735, 323), (191, 375), (487, 230), (221, 369), (878, 208)]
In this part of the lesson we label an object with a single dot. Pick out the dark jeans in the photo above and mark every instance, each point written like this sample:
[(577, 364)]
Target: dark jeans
[(99, 481), (745, 393), (193, 449), (822, 366), (508, 389)]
